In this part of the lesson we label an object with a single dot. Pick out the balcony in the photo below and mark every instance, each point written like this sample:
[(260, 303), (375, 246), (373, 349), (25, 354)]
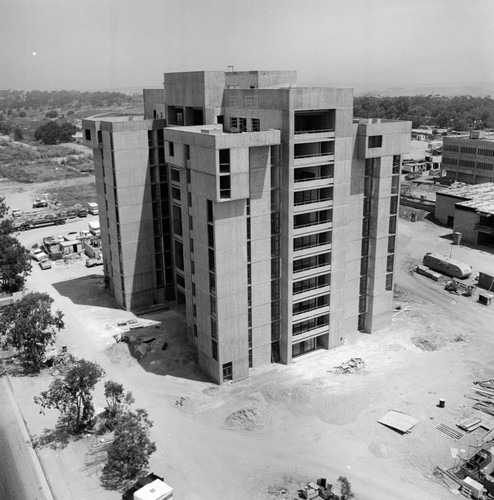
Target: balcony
[(309, 250), (313, 123), (310, 326), (313, 153), (303, 315)]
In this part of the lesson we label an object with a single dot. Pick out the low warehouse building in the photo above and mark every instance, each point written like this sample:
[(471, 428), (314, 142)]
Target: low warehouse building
[(470, 210)]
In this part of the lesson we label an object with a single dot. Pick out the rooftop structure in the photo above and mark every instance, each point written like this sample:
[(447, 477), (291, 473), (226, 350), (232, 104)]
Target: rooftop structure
[(263, 208), (470, 210)]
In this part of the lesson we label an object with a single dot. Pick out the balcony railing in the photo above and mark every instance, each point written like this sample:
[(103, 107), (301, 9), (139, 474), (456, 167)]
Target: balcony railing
[(308, 288), (308, 224), (314, 155), (302, 332), (308, 202), (297, 248), (321, 131), (303, 311), (308, 268), (309, 179)]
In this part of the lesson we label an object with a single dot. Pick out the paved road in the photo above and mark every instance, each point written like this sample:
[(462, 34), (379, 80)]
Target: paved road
[(19, 478)]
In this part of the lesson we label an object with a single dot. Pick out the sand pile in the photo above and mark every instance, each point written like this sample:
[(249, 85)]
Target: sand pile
[(248, 418)]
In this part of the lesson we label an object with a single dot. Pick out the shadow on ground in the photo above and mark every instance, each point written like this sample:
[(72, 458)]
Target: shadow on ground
[(161, 349), (56, 439), (86, 290)]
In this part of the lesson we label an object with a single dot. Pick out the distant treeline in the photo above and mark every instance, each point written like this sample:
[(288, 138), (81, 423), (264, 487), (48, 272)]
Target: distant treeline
[(13, 101), (458, 113)]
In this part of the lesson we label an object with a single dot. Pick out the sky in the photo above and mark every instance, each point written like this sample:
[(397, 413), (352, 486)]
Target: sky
[(116, 44)]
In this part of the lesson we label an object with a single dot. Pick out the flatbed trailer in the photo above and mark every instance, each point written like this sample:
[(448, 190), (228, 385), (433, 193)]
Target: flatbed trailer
[(24, 224)]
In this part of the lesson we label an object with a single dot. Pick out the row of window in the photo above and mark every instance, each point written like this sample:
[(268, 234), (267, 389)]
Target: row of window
[(469, 150)]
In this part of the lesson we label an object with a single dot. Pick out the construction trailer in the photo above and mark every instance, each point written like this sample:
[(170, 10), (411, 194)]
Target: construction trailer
[(445, 265), (92, 208)]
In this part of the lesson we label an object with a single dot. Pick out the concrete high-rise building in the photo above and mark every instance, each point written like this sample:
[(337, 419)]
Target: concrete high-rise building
[(265, 208)]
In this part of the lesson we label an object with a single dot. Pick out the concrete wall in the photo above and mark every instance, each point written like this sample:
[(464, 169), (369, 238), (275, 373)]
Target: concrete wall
[(465, 222), (445, 207)]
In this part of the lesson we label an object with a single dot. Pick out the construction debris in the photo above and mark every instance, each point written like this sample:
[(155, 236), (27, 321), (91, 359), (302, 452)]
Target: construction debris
[(449, 431), (399, 421), (484, 396), (350, 366)]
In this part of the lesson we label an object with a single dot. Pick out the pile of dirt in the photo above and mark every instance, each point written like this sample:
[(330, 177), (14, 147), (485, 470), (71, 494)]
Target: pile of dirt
[(248, 418), (432, 343)]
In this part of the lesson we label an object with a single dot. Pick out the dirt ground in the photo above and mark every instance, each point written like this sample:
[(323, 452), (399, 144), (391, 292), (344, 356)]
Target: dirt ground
[(264, 437)]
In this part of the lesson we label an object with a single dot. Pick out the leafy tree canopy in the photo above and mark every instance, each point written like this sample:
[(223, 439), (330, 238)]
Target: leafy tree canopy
[(30, 326), (52, 133), (117, 401), (72, 395), (15, 262), (459, 113), (129, 452)]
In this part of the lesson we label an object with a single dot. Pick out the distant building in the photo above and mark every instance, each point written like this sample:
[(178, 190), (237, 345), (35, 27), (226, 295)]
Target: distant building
[(469, 159), (264, 208), (470, 211)]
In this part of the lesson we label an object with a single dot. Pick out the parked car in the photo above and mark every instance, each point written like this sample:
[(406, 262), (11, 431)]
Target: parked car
[(94, 262), (38, 254), (45, 264), (16, 213), (40, 204)]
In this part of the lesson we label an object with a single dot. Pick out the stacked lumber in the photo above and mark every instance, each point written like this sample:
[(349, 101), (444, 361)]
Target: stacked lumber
[(470, 424), (484, 396)]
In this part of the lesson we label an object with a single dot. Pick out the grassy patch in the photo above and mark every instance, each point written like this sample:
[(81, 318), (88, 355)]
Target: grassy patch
[(71, 194), (42, 163)]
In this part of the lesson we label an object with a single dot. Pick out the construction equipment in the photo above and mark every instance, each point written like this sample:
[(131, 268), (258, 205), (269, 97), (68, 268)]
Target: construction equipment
[(454, 286)]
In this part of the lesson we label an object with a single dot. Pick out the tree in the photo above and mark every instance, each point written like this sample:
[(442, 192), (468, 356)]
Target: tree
[(129, 452), (72, 395), (52, 133), (30, 327), (18, 135), (51, 114), (116, 402), (22, 114), (346, 488), (15, 262)]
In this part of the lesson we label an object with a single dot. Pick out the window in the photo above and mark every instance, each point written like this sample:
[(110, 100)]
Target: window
[(365, 247), (389, 282), (389, 264), (179, 280), (391, 244), (175, 193), (214, 349), (227, 371), (242, 124), (250, 358), (375, 141), (210, 211), (234, 123), (256, 125), (87, 134), (363, 285), (171, 149), (214, 329), (187, 151), (193, 289), (195, 330), (393, 205), (392, 225), (175, 175)]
